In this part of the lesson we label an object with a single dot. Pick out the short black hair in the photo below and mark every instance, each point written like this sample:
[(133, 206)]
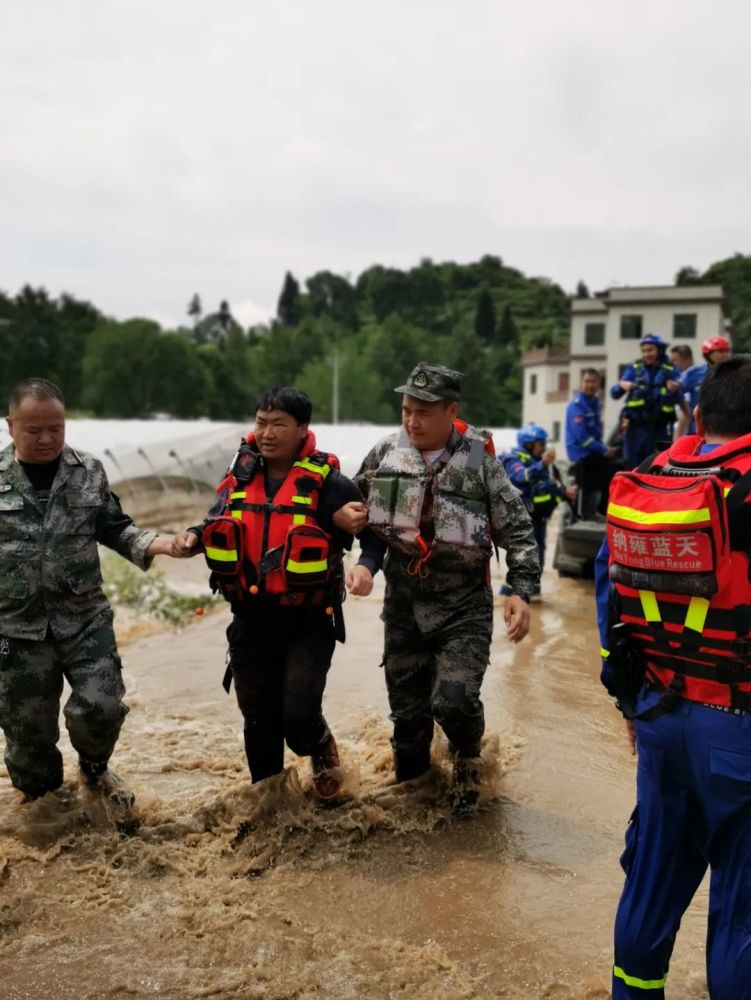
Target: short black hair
[(288, 399), (590, 371), (725, 397), (38, 388), (683, 351)]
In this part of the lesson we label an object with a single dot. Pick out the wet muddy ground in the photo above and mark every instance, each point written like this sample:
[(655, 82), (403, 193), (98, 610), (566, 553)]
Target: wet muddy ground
[(212, 888)]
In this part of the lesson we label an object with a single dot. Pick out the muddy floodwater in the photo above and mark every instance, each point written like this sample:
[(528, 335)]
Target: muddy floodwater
[(212, 888)]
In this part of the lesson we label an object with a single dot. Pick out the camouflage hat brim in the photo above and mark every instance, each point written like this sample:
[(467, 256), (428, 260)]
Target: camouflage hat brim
[(423, 394)]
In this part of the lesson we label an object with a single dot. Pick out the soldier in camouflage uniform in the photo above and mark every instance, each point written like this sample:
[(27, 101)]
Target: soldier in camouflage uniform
[(55, 622), (437, 502)]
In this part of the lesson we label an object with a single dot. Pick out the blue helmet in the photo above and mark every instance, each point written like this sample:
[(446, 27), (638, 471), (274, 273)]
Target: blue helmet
[(527, 436), (654, 338)]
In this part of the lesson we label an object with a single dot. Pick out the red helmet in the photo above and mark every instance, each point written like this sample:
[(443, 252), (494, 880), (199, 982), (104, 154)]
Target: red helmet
[(715, 344)]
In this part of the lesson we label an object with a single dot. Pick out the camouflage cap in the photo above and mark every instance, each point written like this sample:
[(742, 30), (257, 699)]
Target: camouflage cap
[(432, 383)]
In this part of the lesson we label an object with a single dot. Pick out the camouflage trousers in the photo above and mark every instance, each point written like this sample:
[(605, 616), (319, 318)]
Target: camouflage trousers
[(31, 684), (435, 664)]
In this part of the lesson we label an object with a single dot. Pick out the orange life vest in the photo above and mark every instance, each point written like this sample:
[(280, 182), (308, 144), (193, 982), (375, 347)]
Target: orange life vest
[(274, 545), (679, 536)]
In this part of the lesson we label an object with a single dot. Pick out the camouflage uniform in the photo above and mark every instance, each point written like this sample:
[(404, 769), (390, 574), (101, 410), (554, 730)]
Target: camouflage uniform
[(55, 621), (438, 612)]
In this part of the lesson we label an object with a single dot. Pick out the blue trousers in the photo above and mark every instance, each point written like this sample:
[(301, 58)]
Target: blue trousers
[(693, 811), (640, 441)]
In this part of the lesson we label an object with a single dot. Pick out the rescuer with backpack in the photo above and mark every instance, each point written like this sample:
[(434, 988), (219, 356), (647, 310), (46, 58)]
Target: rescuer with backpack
[(275, 553), (674, 611)]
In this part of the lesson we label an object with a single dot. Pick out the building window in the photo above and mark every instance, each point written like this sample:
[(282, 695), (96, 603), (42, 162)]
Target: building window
[(630, 327), (556, 432), (532, 384), (594, 334), (563, 381), (684, 326)]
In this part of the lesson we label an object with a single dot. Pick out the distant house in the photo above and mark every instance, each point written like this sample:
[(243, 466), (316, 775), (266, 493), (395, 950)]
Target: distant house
[(605, 334)]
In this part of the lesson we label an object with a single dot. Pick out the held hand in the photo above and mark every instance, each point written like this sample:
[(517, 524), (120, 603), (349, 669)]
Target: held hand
[(184, 545), (516, 617), (161, 546), (549, 456), (627, 386), (352, 517), (359, 581), (570, 492), (672, 386)]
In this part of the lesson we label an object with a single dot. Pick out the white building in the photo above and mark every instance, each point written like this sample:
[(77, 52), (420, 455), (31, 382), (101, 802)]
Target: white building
[(605, 334)]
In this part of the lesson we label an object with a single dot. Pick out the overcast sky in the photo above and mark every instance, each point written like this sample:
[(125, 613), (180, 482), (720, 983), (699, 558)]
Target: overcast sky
[(149, 150)]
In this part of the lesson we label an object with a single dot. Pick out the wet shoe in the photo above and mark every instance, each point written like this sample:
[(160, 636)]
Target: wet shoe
[(408, 766), (100, 778), (466, 789), (324, 760)]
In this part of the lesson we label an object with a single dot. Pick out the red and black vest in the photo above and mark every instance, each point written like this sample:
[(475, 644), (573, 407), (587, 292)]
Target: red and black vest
[(679, 536), (274, 546)]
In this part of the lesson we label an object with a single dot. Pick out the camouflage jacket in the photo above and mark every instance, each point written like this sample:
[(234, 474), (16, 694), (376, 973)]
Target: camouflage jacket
[(49, 562), (474, 506)]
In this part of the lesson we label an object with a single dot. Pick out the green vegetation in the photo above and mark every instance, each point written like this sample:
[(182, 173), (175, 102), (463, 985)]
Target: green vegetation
[(149, 594), (477, 317)]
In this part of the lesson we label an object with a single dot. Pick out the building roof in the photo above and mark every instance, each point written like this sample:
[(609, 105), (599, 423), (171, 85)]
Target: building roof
[(648, 295)]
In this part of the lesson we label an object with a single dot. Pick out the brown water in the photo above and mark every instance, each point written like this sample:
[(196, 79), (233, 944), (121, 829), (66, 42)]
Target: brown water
[(211, 888)]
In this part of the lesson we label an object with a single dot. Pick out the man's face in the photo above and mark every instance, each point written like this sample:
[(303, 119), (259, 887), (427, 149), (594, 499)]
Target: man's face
[(278, 435), (428, 425), (590, 385), (649, 353), (37, 427), (715, 357), (679, 361), (536, 449)]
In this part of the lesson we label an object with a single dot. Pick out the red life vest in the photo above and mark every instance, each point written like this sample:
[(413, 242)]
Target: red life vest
[(679, 536), (274, 545), (461, 427)]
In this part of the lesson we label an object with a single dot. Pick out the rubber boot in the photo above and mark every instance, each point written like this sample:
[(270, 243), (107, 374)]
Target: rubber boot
[(466, 784), (98, 777), (409, 764), (325, 759)]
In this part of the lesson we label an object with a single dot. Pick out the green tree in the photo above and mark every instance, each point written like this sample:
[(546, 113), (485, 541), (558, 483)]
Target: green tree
[(485, 317), (289, 306), (120, 369)]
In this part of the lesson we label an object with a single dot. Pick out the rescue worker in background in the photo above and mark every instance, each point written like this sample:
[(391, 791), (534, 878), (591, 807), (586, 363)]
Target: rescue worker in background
[(530, 467), (585, 447), (651, 387), (437, 503), (276, 555), (682, 357), (687, 669), (714, 350), (55, 622)]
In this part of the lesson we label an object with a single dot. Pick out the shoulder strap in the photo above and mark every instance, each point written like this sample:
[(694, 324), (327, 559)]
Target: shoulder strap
[(646, 465)]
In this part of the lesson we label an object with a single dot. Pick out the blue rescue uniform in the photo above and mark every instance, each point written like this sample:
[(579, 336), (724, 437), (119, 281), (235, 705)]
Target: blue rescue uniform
[(691, 381), (584, 428), (693, 811), (649, 410), (540, 491)]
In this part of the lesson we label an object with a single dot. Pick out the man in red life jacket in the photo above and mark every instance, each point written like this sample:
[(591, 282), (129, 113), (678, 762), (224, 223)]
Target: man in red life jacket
[(276, 555), (674, 611)]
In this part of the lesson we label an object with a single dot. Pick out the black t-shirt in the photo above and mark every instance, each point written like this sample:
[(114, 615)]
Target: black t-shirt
[(41, 476)]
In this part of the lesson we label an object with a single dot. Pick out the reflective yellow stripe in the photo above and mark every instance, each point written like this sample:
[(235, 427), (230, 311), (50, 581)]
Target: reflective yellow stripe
[(307, 500), (299, 519), (222, 555), (726, 490), (238, 496), (542, 498), (696, 614), (640, 984), (588, 441), (649, 605), (237, 513), (307, 567), (322, 470), (604, 653), (660, 517), (636, 402)]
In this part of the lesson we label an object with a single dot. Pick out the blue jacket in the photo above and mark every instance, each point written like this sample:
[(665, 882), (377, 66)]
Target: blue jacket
[(534, 480), (584, 428), (650, 401), (691, 381)]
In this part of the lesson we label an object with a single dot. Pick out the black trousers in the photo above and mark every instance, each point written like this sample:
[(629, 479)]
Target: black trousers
[(279, 659), (593, 475)]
